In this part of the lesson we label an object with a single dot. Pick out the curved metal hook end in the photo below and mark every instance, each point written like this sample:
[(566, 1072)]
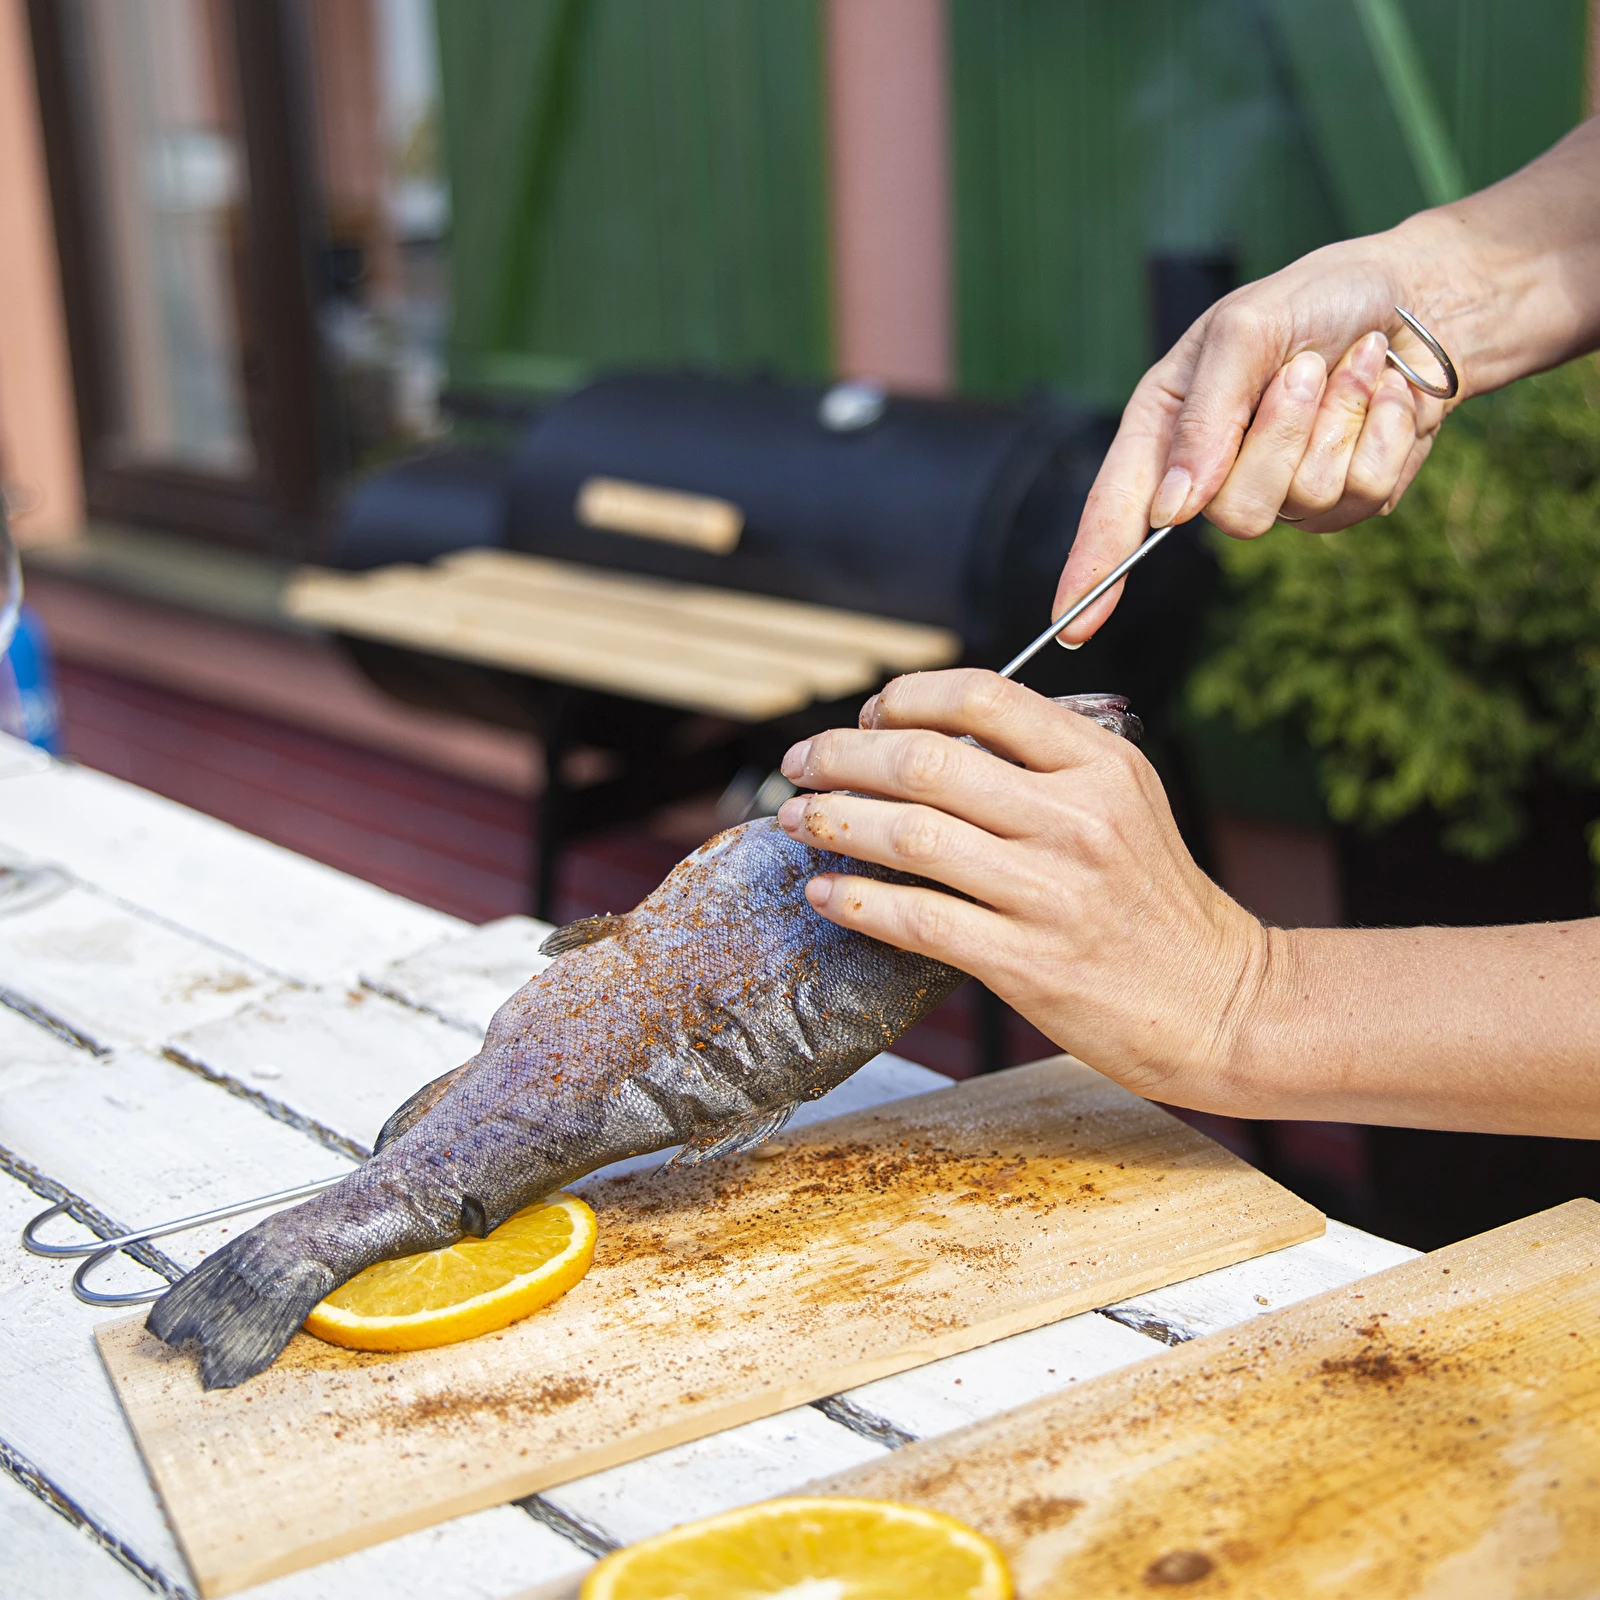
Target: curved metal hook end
[(1451, 386), (37, 1247), (98, 1297)]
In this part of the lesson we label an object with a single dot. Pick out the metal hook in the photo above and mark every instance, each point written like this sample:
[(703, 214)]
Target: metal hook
[(1451, 386), (97, 1297), (99, 1249)]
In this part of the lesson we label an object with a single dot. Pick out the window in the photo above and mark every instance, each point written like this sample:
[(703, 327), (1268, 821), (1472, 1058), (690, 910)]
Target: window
[(251, 225)]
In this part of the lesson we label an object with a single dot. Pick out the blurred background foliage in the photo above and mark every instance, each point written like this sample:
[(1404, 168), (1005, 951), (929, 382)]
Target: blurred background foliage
[(640, 183), (1447, 656)]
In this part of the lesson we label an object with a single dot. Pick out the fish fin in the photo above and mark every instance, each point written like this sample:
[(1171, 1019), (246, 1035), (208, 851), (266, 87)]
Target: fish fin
[(586, 930), (728, 1138), (417, 1107), (1110, 711), (241, 1320)]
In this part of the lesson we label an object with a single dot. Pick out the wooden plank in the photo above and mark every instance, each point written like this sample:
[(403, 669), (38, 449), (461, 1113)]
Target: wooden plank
[(145, 1141), (47, 1557), (852, 1249), (1434, 1429), (411, 615), (117, 977), (704, 1476), (466, 977), (341, 1059), (648, 634), (286, 913), (905, 646), (978, 1383), (1221, 1299), (48, 1374)]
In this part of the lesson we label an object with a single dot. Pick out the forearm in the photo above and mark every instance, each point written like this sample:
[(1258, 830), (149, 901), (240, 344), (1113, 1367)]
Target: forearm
[(1509, 278), (1489, 1029)]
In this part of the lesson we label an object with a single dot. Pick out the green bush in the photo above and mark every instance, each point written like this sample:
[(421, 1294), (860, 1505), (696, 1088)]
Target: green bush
[(1447, 656)]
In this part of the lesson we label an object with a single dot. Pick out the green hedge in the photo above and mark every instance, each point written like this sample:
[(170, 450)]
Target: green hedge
[(1447, 656)]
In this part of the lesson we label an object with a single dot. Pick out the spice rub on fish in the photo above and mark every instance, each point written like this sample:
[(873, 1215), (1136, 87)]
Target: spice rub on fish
[(703, 1018)]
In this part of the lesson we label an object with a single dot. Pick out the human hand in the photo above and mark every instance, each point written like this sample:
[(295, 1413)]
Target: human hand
[(1277, 402), (1087, 914)]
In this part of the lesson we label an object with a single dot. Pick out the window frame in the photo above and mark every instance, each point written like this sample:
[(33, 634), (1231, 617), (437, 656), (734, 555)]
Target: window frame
[(280, 507)]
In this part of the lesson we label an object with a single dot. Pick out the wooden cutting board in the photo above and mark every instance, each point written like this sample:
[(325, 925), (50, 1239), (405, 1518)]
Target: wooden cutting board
[(844, 1251), (1432, 1430)]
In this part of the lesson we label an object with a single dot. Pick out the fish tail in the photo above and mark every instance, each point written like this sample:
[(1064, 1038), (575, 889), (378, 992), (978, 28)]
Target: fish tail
[(242, 1304)]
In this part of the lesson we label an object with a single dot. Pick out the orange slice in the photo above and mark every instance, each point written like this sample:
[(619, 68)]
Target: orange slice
[(470, 1287), (818, 1547)]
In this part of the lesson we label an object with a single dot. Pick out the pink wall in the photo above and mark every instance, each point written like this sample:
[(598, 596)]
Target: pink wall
[(888, 144), (38, 427)]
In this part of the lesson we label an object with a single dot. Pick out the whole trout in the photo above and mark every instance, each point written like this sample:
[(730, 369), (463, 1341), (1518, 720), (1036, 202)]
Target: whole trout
[(701, 1018)]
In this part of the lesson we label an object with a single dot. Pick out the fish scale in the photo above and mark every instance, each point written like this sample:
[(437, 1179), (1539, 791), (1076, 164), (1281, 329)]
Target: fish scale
[(702, 1018)]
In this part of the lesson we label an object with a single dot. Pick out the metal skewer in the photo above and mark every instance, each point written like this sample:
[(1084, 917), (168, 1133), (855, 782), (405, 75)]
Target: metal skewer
[(1078, 607), (99, 1250)]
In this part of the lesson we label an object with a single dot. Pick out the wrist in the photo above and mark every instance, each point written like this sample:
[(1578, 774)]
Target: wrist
[(1441, 274), (1242, 1069)]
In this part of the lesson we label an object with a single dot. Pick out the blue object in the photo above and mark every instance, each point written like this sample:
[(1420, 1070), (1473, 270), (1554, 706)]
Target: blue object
[(30, 707)]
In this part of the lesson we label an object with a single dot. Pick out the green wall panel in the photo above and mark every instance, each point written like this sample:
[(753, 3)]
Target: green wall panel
[(1089, 136), (636, 182)]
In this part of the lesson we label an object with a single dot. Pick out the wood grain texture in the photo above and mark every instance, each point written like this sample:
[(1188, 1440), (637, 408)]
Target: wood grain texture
[(720, 1294), (721, 651), (1433, 1430), (116, 976), (467, 977)]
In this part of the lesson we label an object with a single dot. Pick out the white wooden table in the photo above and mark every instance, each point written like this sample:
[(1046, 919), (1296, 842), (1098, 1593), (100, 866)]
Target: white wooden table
[(194, 1016)]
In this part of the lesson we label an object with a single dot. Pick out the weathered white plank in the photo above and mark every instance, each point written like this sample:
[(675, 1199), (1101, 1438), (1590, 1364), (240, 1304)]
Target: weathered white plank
[(49, 1372), (56, 1404), (343, 1058), (295, 916), (467, 977), (18, 757), (978, 1383), (146, 1141), (47, 1558), (1234, 1294), (487, 1556), (117, 977), (773, 1456)]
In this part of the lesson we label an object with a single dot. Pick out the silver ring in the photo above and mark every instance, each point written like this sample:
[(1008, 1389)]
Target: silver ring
[(1452, 384)]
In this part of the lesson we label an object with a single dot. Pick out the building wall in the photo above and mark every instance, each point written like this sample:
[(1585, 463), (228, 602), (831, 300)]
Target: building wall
[(39, 461)]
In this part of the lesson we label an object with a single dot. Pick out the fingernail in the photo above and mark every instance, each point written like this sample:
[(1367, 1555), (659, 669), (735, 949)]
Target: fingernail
[(792, 815), (1066, 644), (819, 892), (1303, 376), (1170, 497), (1367, 362), (869, 713), (794, 763)]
